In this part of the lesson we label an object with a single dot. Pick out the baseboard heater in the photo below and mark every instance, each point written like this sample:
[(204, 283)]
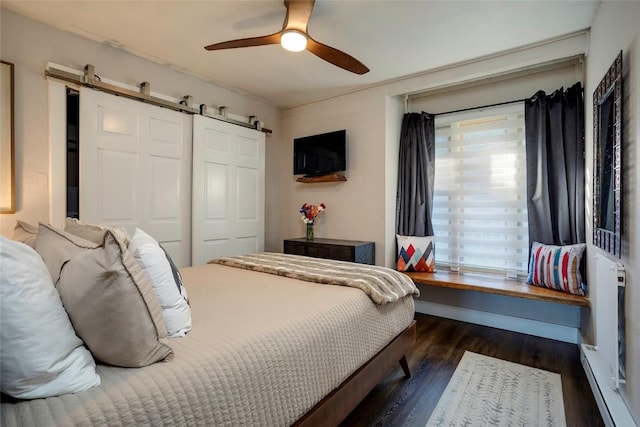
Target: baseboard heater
[(604, 364), (612, 408)]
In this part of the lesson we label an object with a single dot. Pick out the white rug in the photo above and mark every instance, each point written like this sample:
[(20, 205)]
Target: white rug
[(485, 391)]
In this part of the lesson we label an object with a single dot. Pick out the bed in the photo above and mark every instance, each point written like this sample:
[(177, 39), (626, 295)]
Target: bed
[(264, 350)]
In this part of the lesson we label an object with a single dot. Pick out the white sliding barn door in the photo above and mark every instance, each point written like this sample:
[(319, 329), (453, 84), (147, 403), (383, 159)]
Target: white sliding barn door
[(228, 190), (135, 169)]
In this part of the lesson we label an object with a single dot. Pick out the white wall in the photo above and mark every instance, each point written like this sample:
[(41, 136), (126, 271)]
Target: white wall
[(30, 45), (616, 28), (363, 207), (355, 208), (395, 108)]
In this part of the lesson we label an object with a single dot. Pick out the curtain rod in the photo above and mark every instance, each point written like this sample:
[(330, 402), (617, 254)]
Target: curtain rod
[(501, 103), (481, 106)]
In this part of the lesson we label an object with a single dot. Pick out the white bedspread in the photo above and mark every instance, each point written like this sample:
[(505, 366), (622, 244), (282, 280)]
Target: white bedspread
[(263, 351)]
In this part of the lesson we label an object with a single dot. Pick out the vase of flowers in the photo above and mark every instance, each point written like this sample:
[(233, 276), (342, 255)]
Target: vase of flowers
[(309, 214), (310, 231)]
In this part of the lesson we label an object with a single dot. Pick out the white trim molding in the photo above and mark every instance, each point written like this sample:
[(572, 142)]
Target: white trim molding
[(510, 323)]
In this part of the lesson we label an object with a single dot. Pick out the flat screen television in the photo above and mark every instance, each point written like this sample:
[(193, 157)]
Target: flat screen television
[(319, 155)]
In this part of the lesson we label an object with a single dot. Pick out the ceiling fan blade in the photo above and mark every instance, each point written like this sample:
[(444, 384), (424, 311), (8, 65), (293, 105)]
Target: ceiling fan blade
[(248, 42), (298, 14), (336, 57), (297, 18)]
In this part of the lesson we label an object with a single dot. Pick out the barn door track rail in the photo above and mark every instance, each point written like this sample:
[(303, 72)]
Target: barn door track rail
[(90, 79)]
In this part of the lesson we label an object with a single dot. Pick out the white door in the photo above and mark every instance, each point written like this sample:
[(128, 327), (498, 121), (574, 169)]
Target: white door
[(135, 169), (228, 190)]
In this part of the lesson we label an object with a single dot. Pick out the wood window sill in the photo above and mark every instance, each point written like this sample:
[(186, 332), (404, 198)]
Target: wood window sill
[(498, 286)]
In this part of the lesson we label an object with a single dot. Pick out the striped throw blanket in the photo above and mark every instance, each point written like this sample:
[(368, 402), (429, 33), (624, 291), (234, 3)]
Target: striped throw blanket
[(381, 284)]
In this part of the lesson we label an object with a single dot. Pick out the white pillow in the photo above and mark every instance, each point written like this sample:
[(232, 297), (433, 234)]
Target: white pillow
[(40, 354), (171, 293)]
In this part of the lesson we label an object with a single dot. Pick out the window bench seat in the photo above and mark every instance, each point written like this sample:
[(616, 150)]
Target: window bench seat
[(498, 286)]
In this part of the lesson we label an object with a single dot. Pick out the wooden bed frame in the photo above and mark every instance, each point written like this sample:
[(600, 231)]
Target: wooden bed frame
[(335, 407)]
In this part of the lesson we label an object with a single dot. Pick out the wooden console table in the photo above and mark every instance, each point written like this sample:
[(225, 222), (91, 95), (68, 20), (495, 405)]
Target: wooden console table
[(341, 250)]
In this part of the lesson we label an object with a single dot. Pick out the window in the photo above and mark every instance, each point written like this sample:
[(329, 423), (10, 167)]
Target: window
[(480, 205), (73, 156)]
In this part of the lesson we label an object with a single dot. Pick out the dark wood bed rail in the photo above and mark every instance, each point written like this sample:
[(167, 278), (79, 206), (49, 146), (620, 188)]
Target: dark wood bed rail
[(334, 408)]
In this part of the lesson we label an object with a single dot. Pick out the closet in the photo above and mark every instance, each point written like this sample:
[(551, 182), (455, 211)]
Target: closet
[(228, 190), (194, 183)]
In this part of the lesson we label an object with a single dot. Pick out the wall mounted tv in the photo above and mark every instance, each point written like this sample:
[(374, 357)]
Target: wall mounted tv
[(319, 155)]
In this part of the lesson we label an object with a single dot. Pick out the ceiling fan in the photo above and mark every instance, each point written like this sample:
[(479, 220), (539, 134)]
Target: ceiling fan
[(294, 36)]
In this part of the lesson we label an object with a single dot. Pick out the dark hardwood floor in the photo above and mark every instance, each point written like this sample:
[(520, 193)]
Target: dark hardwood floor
[(397, 401)]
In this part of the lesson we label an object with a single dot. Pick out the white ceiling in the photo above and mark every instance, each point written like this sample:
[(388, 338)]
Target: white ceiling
[(394, 38)]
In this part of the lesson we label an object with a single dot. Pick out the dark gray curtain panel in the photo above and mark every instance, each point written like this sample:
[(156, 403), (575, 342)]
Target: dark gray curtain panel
[(554, 126), (414, 199)]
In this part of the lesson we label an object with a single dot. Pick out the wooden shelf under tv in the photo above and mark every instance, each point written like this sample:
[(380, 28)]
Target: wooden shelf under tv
[(334, 177)]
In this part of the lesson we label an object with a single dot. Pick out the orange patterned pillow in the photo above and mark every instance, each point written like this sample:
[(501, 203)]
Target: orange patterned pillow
[(416, 253)]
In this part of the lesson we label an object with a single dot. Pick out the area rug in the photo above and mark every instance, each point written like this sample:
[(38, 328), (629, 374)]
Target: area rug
[(485, 391)]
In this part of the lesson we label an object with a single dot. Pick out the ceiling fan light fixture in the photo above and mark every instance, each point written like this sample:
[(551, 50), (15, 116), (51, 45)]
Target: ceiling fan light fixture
[(294, 37), (294, 41)]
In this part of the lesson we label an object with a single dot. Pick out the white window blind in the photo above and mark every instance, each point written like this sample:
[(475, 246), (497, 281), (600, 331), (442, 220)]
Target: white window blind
[(479, 206)]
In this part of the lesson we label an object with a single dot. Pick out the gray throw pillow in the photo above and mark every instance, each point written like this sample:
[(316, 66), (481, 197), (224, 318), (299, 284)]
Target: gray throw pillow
[(25, 233), (56, 247), (109, 299), (93, 232)]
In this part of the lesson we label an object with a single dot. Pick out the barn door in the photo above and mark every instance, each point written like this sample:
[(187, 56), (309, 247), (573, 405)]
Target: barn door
[(135, 169), (228, 190)]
